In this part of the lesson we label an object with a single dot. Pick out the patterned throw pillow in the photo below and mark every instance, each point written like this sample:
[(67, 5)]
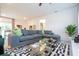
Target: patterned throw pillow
[(17, 32)]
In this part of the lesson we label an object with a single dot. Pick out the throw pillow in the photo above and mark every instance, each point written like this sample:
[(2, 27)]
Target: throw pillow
[(17, 32)]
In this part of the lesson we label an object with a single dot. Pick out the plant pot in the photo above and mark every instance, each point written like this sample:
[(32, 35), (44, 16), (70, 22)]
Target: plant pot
[(70, 38), (76, 39)]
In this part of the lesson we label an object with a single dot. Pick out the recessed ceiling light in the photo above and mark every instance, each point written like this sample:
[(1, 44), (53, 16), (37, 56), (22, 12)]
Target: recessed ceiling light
[(25, 18)]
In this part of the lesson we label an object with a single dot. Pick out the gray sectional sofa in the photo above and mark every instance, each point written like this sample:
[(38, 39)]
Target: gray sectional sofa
[(31, 36)]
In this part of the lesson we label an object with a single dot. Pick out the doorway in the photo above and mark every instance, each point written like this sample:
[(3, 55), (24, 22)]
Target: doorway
[(5, 29)]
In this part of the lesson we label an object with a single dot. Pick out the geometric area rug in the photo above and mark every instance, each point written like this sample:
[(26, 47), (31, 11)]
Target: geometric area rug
[(57, 49)]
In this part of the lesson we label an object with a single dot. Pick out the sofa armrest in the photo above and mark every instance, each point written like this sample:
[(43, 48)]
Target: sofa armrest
[(57, 37), (13, 40), (1, 42)]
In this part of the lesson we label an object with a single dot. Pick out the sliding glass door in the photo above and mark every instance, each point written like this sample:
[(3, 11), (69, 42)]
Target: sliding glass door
[(5, 25), (5, 29)]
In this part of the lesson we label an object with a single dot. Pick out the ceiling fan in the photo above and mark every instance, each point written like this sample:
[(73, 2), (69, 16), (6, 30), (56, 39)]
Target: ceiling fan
[(40, 4)]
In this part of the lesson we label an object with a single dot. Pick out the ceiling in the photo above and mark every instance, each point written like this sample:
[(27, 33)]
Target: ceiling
[(32, 10)]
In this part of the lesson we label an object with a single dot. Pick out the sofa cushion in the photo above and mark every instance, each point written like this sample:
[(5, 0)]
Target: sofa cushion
[(48, 32), (26, 37), (39, 32), (24, 32), (17, 32), (36, 35), (29, 37), (30, 32), (34, 32)]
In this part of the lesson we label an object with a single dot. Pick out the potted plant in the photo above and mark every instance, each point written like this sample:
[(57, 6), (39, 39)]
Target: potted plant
[(71, 30)]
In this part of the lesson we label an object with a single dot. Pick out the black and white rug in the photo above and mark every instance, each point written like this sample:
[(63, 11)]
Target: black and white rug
[(58, 49)]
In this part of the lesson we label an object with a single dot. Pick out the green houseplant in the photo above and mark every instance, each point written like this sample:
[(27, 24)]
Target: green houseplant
[(71, 30)]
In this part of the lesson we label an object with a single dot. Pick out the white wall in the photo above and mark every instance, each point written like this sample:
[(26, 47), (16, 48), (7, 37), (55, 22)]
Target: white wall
[(21, 22), (33, 22), (57, 22), (36, 22), (78, 20)]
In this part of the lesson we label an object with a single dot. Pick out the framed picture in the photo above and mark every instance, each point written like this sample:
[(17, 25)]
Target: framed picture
[(19, 26), (32, 27)]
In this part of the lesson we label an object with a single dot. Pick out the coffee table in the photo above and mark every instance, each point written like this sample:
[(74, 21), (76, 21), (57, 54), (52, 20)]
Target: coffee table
[(39, 49), (34, 49)]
